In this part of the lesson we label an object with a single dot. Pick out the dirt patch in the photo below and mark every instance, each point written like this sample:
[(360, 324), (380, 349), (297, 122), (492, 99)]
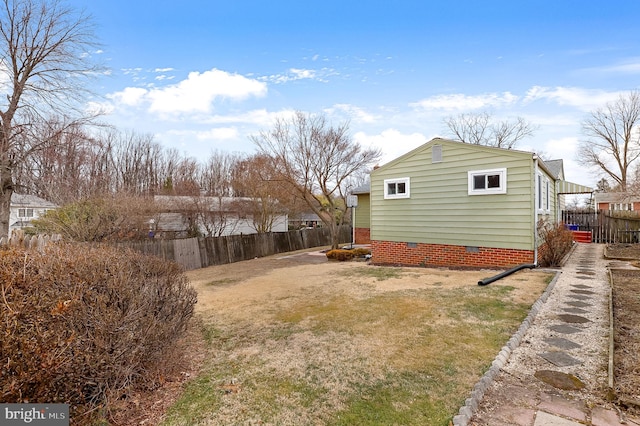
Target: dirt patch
[(623, 251), (626, 308)]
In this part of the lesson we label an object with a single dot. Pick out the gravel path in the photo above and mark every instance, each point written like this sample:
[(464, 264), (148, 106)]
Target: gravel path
[(568, 337)]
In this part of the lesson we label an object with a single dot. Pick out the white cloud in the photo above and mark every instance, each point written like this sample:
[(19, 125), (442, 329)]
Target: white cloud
[(196, 93), (199, 90), (218, 134), (130, 96), (163, 69), (462, 102), (584, 99), (392, 142), (353, 112), (259, 118), (294, 74)]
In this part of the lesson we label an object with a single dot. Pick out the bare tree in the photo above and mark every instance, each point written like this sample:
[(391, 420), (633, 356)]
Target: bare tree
[(263, 195), (613, 139), (479, 129), (45, 54), (315, 159), (216, 176)]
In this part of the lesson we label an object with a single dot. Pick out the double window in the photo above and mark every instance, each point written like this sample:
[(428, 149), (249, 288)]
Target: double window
[(396, 188), (486, 182), (25, 213)]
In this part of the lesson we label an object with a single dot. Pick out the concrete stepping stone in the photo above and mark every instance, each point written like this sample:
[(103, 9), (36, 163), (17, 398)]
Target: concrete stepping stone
[(562, 343), (560, 359), (575, 311), (579, 297), (582, 291), (565, 329), (559, 380), (579, 304), (573, 319)]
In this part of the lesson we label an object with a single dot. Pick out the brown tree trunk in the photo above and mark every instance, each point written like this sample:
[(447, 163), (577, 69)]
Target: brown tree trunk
[(6, 190)]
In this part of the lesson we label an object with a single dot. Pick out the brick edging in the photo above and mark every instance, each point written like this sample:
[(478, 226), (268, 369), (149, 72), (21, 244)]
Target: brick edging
[(471, 404)]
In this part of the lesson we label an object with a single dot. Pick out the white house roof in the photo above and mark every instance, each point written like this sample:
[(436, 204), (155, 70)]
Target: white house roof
[(24, 200), (616, 197)]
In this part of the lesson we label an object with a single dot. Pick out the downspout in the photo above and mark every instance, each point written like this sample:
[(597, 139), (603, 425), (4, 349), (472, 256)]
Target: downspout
[(535, 209), (533, 265)]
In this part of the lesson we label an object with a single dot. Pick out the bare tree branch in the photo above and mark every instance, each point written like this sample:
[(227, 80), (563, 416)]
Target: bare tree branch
[(479, 129), (612, 143), (316, 159), (46, 52)]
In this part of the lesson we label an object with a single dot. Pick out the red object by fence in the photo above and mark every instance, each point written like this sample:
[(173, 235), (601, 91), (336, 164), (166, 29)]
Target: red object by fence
[(582, 236)]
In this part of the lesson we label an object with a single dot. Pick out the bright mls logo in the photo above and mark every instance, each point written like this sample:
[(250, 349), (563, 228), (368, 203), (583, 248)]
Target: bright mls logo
[(37, 414)]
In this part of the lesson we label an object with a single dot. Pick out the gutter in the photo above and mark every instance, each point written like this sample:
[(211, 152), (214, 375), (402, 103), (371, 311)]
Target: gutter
[(535, 210)]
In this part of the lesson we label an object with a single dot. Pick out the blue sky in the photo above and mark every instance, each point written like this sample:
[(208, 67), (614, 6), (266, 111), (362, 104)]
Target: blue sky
[(204, 75)]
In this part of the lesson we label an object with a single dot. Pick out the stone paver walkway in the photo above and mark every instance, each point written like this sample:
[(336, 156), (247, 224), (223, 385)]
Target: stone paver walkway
[(558, 373)]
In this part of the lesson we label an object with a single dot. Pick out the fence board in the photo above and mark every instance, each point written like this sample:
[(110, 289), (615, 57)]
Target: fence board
[(606, 226), (193, 253)]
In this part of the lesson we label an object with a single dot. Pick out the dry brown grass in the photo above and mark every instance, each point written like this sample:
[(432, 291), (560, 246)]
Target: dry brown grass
[(338, 343)]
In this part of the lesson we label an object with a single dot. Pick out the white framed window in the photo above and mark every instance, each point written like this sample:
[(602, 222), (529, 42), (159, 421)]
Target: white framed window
[(543, 193), (25, 213), (486, 182), (621, 206), (547, 198), (396, 188)]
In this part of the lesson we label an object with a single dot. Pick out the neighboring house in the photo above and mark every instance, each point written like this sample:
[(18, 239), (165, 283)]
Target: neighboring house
[(305, 220), (181, 216), (449, 203), (617, 201), (362, 214), (25, 208)]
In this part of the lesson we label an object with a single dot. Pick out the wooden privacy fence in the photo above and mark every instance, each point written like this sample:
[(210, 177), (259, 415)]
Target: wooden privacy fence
[(606, 226), (194, 253), (18, 239)]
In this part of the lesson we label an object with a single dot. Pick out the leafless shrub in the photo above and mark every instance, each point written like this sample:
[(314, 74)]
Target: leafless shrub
[(83, 325), (557, 241)]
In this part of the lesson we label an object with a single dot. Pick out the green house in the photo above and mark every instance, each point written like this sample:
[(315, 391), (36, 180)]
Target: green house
[(449, 203)]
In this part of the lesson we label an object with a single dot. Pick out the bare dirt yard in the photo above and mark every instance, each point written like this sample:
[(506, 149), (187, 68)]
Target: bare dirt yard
[(626, 310), (289, 340)]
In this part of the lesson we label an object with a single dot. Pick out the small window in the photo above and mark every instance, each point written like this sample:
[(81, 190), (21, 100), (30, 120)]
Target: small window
[(484, 182), (396, 188), (621, 206), (547, 198), (25, 212)]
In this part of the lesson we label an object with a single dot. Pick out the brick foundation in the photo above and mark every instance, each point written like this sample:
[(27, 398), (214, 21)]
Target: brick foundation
[(363, 236), (394, 253)]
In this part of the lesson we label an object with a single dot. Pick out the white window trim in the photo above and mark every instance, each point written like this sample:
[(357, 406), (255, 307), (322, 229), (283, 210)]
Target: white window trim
[(26, 210), (543, 194), (547, 198), (621, 206), (406, 194), (487, 191)]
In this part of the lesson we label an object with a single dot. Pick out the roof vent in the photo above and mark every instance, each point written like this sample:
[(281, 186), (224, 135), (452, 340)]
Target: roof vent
[(436, 154)]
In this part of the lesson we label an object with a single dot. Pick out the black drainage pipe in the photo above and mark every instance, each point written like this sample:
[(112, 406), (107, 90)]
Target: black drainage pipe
[(506, 273)]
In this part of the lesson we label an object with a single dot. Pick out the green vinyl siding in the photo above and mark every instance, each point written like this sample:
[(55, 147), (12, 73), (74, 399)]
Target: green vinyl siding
[(363, 212), (440, 210)]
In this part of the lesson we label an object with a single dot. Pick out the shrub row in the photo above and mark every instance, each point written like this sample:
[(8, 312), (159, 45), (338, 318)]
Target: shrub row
[(347, 254), (81, 325)]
